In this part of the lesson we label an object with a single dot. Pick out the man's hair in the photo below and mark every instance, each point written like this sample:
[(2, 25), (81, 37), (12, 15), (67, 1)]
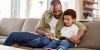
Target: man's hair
[(55, 2), (70, 12)]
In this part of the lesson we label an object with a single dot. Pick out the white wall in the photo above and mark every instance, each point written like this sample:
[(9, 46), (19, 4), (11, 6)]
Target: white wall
[(79, 9), (68, 4), (99, 8)]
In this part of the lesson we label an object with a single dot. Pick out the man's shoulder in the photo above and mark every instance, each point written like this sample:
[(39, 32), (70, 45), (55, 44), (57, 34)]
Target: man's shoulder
[(76, 22), (74, 26), (48, 11)]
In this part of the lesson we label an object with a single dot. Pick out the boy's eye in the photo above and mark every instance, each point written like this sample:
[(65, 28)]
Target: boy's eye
[(67, 19)]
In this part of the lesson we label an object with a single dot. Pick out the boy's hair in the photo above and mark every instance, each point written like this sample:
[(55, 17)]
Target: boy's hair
[(55, 2), (70, 12)]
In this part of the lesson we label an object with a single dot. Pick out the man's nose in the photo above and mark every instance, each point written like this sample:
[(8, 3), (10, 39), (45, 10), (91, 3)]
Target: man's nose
[(57, 13)]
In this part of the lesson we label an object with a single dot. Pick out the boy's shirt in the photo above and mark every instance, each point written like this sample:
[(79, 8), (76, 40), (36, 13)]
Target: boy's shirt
[(69, 31)]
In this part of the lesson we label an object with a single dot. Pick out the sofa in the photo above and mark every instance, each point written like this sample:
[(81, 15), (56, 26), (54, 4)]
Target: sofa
[(89, 41)]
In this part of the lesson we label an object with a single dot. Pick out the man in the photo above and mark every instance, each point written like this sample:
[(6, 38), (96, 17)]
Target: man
[(52, 21), (49, 25)]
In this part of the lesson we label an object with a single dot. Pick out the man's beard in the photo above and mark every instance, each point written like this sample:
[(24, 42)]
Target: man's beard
[(57, 17)]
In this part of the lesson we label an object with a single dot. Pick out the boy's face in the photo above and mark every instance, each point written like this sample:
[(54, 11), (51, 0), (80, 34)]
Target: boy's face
[(68, 20)]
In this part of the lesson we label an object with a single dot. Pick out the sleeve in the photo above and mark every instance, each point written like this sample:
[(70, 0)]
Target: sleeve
[(80, 25), (76, 30), (41, 22)]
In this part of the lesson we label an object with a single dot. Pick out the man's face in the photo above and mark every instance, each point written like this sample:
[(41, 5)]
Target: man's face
[(68, 20), (56, 11)]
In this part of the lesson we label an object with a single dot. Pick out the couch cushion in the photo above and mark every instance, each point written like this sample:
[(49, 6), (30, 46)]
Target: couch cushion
[(69, 49), (91, 38), (80, 49), (8, 25), (26, 48), (29, 25), (2, 39)]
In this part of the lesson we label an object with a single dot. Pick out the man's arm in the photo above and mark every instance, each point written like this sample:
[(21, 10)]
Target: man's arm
[(39, 28), (76, 39), (80, 26), (80, 33), (41, 31), (44, 32), (82, 29)]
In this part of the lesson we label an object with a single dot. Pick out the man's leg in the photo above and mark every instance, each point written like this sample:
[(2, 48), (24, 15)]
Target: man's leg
[(19, 37), (65, 44), (53, 44), (38, 43)]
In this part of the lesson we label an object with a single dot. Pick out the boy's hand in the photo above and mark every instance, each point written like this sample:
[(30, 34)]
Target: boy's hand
[(74, 39)]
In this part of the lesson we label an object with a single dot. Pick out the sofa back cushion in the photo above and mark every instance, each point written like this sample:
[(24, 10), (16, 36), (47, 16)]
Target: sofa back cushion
[(29, 25), (91, 38), (8, 25)]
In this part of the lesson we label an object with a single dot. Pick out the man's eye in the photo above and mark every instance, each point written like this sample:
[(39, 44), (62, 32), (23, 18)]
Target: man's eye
[(59, 11), (54, 11)]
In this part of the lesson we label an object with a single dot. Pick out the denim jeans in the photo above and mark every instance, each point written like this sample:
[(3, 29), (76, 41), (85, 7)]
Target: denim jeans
[(26, 39), (55, 44)]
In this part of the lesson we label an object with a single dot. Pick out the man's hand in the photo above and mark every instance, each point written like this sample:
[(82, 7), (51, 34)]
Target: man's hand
[(74, 39), (50, 35)]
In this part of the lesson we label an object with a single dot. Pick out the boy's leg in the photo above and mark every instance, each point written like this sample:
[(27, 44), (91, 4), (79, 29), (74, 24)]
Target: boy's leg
[(53, 44), (65, 44), (19, 37)]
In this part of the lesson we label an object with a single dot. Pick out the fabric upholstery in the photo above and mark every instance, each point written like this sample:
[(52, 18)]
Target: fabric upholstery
[(29, 25), (2, 41), (26, 48), (8, 25), (3, 37), (91, 38), (80, 49), (69, 49)]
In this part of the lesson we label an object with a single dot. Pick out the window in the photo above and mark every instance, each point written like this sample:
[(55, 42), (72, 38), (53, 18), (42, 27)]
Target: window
[(22, 13), (5, 9), (32, 8), (37, 8), (68, 4)]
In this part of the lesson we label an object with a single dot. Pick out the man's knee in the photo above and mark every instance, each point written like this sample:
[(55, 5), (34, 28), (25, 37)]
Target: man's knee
[(13, 34), (45, 40)]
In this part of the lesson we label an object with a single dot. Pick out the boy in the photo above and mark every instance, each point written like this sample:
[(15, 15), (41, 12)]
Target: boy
[(69, 30)]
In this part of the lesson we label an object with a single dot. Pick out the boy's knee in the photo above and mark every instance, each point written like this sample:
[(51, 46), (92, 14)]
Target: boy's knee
[(64, 41)]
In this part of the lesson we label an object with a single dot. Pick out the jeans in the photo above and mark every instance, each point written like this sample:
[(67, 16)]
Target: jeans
[(55, 44), (27, 39)]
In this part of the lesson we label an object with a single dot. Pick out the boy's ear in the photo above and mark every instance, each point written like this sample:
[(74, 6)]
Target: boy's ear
[(74, 19)]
